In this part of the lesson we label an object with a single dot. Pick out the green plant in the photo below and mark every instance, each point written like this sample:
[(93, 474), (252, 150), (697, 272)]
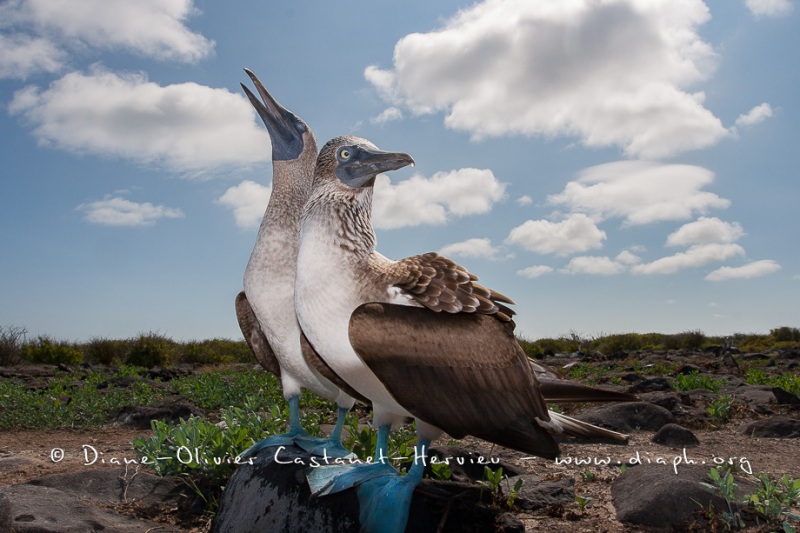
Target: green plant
[(491, 480), (441, 470), (151, 349), (686, 382), (582, 502), (67, 401), (774, 500), (46, 350), (105, 351), (726, 485), (513, 493), (588, 475), (788, 381), (205, 454), (720, 408)]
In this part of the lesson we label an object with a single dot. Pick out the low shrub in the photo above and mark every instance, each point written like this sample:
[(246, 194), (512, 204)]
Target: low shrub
[(12, 339), (45, 350)]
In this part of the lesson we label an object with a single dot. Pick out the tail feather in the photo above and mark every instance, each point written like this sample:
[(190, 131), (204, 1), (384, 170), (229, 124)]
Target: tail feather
[(562, 391), (571, 427)]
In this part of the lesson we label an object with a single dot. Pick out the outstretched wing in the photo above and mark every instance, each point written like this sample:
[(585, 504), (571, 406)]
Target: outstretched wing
[(462, 372), (440, 284), (253, 335)]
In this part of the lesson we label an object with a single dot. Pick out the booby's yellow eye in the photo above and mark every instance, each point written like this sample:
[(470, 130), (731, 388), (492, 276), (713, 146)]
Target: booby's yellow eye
[(344, 153)]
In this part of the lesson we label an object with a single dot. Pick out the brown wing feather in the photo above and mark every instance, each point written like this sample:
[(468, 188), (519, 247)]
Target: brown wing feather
[(556, 389), (317, 363), (441, 284), (463, 373), (253, 335)]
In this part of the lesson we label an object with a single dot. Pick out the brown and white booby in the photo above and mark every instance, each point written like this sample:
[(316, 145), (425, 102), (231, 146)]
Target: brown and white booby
[(418, 337), (265, 308)]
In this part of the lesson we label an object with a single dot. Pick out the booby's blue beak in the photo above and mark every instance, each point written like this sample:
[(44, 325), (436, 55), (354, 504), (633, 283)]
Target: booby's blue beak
[(285, 128), (358, 165)]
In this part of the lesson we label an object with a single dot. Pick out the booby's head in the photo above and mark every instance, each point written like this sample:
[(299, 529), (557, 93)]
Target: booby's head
[(288, 133), (355, 162)]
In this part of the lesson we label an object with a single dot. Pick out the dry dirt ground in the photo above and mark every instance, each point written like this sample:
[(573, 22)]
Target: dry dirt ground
[(40, 453), (29, 454)]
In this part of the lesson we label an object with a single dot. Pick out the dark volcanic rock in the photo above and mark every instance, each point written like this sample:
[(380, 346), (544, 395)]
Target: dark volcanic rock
[(64, 503), (668, 400), (675, 435), (28, 508), (113, 485), (536, 494), (651, 385), (785, 397), (466, 465), (275, 497), (627, 417), (141, 416), (655, 496), (778, 427)]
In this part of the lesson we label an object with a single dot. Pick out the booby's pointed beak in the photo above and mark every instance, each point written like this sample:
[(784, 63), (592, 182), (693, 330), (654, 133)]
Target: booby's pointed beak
[(285, 128), (361, 167)]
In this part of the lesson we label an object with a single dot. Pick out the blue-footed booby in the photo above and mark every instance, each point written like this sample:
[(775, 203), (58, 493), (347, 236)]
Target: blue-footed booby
[(418, 337), (265, 308)]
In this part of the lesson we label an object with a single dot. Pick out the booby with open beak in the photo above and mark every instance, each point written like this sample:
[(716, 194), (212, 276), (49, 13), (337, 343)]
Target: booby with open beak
[(418, 337), (265, 308)]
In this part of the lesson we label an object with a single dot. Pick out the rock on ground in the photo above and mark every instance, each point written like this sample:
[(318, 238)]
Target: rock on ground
[(675, 435), (273, 495), (627, 417), (779, 427), (655, 496)]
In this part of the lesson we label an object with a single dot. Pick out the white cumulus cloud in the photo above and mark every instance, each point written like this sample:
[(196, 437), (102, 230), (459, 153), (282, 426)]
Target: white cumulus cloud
[(551, 67), (769, 8), (387, 115), (152, 28), (117, 211), (524, 200), (641, 192), (750, 270), (695, 256), (706, 230), (186, 127), (759, 113), (575, 234), (470, 248), (535, 271), (626, 257), (420, 200), (22, 55), (594, 265), (248, 201)]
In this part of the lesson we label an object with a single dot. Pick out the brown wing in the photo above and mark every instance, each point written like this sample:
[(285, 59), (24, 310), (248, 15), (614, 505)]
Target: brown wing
[(463, 373), (440, 284), (317, 363), (253, 335)]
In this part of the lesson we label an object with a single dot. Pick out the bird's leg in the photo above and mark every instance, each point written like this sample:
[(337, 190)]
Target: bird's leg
[(290, 438), (332, 446), (326, 480), (297, 436)]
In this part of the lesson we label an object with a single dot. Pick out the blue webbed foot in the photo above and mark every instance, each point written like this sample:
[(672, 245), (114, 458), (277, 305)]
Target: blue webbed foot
[(384, 496), (324, 480), (385, 503)]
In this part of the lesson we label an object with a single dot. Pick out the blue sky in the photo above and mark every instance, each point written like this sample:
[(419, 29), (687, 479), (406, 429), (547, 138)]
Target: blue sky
[(612, 165)]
